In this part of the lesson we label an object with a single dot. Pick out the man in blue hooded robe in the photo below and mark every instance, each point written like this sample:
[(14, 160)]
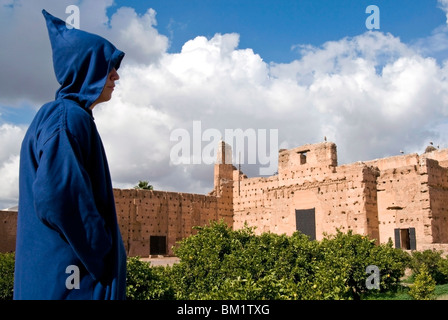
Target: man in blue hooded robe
[(69, 244)]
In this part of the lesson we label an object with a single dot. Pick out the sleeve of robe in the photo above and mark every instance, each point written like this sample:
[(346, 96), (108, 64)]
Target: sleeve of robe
[(64, 200)]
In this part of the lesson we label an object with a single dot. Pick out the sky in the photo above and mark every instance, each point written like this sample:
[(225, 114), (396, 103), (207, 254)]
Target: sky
[(283, 73)]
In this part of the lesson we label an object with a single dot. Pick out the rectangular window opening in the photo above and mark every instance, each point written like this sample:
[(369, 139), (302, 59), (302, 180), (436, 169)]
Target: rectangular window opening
[(405, 238), (306, 222), (302, 155), (157, 245)]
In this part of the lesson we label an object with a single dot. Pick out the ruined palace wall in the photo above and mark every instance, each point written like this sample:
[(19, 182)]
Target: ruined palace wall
[(224, 174), (349, 201), (307, 163), (253, 203), (372, 198), (145, 213), (441, 156), (437, 184), (8, 230), (403, 197), (343, 197)]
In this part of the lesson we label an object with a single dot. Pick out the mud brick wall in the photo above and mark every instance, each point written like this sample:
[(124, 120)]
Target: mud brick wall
[(403, 197), (413, 193), (372, 198), (344, 200), (145, 213), (8, 226), (308, 178), (353, 201), (437, 186), (441, 156)]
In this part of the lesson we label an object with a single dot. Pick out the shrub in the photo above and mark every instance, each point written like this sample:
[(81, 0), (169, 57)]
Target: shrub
[(435, 264), (201, 257), (443, 269), (144, 282), (392, 263), (345, 259), (6, 276), (424, 285), (219, 263), (346, 256)]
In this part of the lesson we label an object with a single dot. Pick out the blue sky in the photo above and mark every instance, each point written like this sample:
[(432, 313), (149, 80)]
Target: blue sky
[(307, 69), (272, 28)]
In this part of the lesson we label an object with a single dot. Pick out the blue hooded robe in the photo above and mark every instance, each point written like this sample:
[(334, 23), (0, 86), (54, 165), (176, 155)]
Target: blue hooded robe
[(68, 242)]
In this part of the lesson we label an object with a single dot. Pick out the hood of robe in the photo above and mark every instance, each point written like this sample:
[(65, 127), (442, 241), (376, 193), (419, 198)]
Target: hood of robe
[(81, 61)]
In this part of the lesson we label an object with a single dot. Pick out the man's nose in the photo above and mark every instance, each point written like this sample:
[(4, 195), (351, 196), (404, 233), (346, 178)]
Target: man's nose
[(114, 76)]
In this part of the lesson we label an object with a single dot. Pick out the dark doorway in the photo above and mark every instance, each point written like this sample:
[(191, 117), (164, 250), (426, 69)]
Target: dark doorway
[(306, 222), (157, 245), (405, 239)]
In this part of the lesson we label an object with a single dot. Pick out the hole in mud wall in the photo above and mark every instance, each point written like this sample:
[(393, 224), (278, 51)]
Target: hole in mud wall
[(157, 245)]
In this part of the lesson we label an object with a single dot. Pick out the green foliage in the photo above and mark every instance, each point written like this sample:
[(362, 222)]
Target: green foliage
[(424, 285), (144, 185), (144, 282), (6, 275), (392, 263), (345, 257), (441, 291), (220, 263), (435, 264)]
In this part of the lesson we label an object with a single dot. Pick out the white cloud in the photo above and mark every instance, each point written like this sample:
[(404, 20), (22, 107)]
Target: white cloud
[(443, 4), (150, 44), (27, 69), (372, 94), (9, 188), (10, 140)]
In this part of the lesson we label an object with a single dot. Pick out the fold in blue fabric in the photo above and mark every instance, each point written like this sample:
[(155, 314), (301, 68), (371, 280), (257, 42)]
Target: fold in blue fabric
[(69, 244)]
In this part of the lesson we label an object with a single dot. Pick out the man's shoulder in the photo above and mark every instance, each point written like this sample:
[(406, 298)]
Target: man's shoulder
[(64, 115), (46, 122), (78, 121), (74, 111), (62, 108)]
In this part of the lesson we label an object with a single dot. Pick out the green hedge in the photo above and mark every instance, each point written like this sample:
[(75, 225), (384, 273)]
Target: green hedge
[(433, 263), (221, 263), (144, 282), (6, 275)]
